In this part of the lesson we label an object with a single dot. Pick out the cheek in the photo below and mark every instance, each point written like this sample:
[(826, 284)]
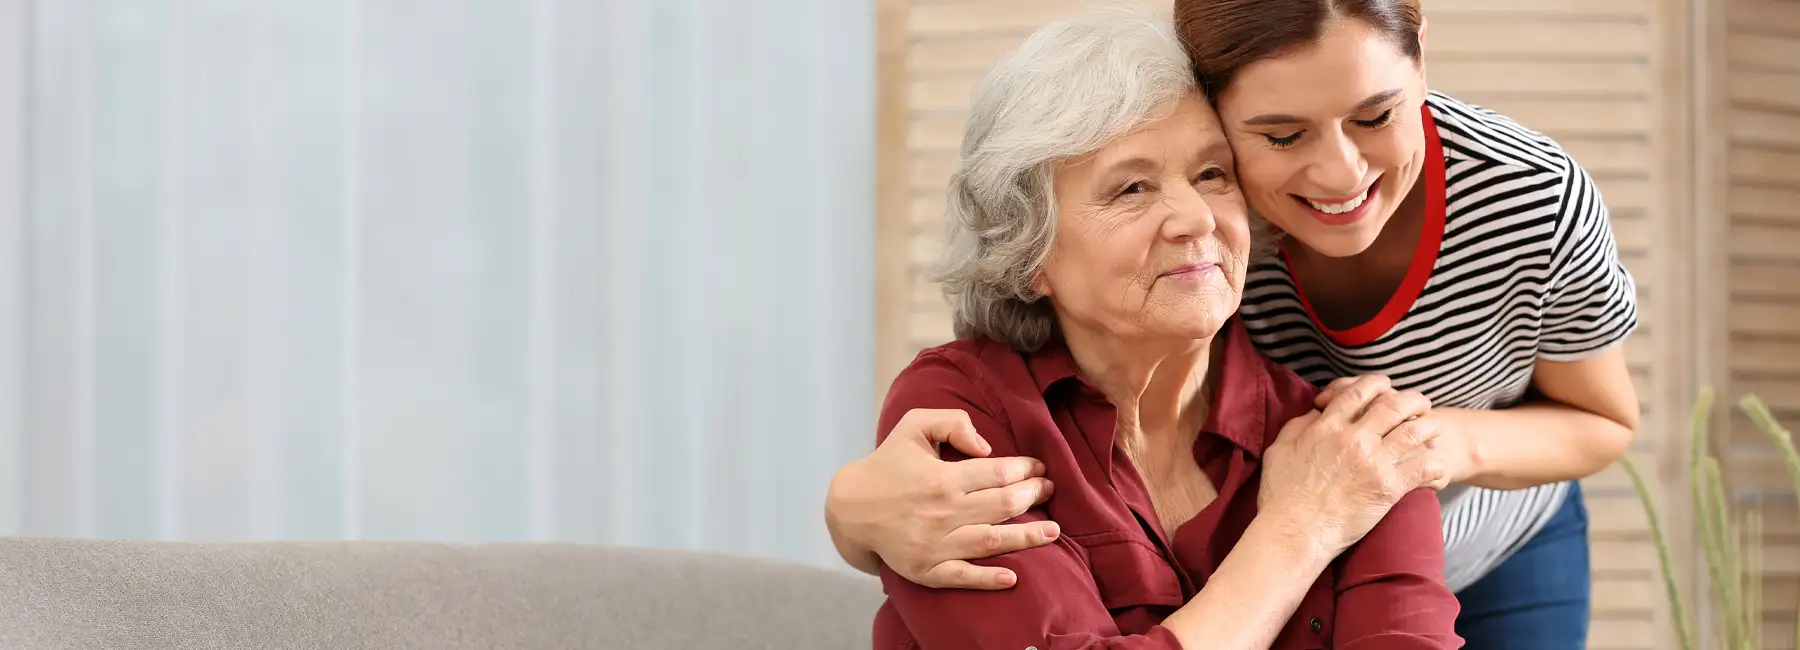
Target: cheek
[(1393, 148), (1232, 221), (1265, 174)]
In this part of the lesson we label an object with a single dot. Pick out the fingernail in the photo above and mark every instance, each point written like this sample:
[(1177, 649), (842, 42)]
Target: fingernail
[(985, 447), (1007, 579), (1050, 529)]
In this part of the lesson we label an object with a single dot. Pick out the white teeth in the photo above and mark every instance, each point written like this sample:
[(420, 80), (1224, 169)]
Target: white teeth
[(1340, 208)]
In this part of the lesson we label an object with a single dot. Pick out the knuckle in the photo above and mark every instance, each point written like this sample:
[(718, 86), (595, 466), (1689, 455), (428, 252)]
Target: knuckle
[(1010, 501), (963, 574), (1003, 473), (992, 540)]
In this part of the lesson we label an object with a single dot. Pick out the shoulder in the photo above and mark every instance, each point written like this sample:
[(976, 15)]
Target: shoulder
[(1513, 174), (964, 375), (1475, 134)]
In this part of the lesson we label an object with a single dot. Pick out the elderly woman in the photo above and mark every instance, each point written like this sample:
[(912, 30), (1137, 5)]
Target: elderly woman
[(1098, 247)]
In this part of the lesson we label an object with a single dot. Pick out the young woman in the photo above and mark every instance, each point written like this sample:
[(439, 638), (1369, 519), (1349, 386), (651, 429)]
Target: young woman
[(1437, 243)]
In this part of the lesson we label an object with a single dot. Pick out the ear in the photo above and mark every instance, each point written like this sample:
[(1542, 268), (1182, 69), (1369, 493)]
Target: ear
[(1423, 23), (1039, 283)]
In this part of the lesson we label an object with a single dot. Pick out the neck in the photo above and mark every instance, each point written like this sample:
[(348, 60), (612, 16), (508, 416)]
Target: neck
[(1156, 386)]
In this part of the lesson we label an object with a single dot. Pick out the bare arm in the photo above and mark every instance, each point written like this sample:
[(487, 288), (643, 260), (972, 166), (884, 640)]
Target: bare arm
[(1583, 420)]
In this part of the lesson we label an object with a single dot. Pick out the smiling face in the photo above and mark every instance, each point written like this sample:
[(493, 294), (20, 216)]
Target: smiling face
[(1152, 232), (1329, 136)]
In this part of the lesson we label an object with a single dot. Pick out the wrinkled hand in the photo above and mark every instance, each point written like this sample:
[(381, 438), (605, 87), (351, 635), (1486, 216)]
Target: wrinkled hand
[(1446, 440), (925, 517), (1334, 474)]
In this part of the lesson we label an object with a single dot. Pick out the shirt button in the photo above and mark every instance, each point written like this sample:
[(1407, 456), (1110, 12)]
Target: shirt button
[(1316, 625)]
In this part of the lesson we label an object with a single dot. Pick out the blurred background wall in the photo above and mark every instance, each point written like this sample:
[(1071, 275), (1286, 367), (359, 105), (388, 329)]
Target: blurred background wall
[(1686, 112), (473, 270)]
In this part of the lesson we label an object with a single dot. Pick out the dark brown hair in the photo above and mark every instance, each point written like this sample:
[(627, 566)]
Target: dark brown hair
[(1223, 36)]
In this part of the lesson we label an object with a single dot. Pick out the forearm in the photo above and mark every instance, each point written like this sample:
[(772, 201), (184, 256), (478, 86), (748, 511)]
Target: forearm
[(1538, 442), (858, 556), (1255, 591)]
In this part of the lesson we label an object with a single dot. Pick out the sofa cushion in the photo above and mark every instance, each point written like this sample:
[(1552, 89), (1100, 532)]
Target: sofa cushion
[(108, 594)]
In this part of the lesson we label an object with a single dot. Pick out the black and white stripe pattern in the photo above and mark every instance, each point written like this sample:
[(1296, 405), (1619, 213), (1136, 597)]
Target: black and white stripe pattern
[(1527, 271)]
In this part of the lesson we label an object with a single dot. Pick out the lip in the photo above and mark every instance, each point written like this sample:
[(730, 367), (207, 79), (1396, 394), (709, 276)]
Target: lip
[(1190, 271), (1345, 218)]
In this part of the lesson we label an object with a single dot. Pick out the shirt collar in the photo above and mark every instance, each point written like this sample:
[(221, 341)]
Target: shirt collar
[(1240, 388)]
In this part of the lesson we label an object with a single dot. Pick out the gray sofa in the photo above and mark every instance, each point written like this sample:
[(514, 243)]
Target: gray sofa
[(129, 595)]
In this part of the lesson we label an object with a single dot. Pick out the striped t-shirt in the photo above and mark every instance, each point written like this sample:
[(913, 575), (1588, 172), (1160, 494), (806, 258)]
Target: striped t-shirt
[(1516, 264)]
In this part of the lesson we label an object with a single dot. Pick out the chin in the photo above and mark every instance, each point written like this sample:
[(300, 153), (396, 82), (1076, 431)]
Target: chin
[(1340, 243)]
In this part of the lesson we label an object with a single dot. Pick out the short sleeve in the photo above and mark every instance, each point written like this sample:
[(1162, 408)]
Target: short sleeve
[(1591, 303)]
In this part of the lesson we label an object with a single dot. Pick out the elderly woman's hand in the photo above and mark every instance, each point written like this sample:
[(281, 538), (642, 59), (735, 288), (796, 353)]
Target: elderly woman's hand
[(924, 517), (1334, 474)]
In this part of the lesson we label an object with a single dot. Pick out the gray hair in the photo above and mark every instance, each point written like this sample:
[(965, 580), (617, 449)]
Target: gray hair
[(1070, 89)]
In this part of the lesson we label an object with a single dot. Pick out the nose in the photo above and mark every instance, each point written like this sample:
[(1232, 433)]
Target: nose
[(1190, 217), (1337, 167)]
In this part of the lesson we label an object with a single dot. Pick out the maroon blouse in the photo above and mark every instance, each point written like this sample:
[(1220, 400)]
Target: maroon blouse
[(1110, 579)]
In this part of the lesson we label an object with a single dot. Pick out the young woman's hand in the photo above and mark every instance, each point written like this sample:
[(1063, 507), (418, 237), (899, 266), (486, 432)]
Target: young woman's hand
[(924, 517)]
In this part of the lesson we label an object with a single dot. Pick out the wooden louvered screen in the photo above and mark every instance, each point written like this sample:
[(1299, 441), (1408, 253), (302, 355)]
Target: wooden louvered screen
[(1755, 125), (1596, 74)]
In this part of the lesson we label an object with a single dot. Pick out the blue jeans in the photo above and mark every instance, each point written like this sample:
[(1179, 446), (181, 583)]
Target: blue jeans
[(1538, 599)]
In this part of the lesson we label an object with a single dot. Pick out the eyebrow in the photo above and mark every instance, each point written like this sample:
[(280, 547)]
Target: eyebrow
[(1133, 164), (1374, 100)]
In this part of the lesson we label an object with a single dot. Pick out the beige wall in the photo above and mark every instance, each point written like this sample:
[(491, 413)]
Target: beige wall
[(1625, 85)]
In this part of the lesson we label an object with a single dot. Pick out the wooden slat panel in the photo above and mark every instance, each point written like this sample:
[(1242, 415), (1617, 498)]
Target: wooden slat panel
[(938, 133), (1617, 557), (1766, 89), (1604, 157), (1758, 280), (1617, 520), (1455, 36), (1626, 194), (949, 93), (1765, 128), (974, 55), (1764, 166), (935, 20), (931, 170), (1625, 595), (927, 210), (1621, 634), (926, 244), (1766, 203), (1765, 320), (1571, 118), (1540, 77), (1776, 17), (1640, 350), (1765, 357), (1779, 394), (1631, 233), (1769, 52), (931, 327), (1765, 243), (1536, 9)]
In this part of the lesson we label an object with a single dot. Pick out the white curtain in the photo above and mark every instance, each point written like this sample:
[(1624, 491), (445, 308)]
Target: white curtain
[(583, 270)]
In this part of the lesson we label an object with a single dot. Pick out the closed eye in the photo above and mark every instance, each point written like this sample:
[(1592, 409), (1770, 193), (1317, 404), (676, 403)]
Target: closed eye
[(1378, 121), (1283, 141)]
